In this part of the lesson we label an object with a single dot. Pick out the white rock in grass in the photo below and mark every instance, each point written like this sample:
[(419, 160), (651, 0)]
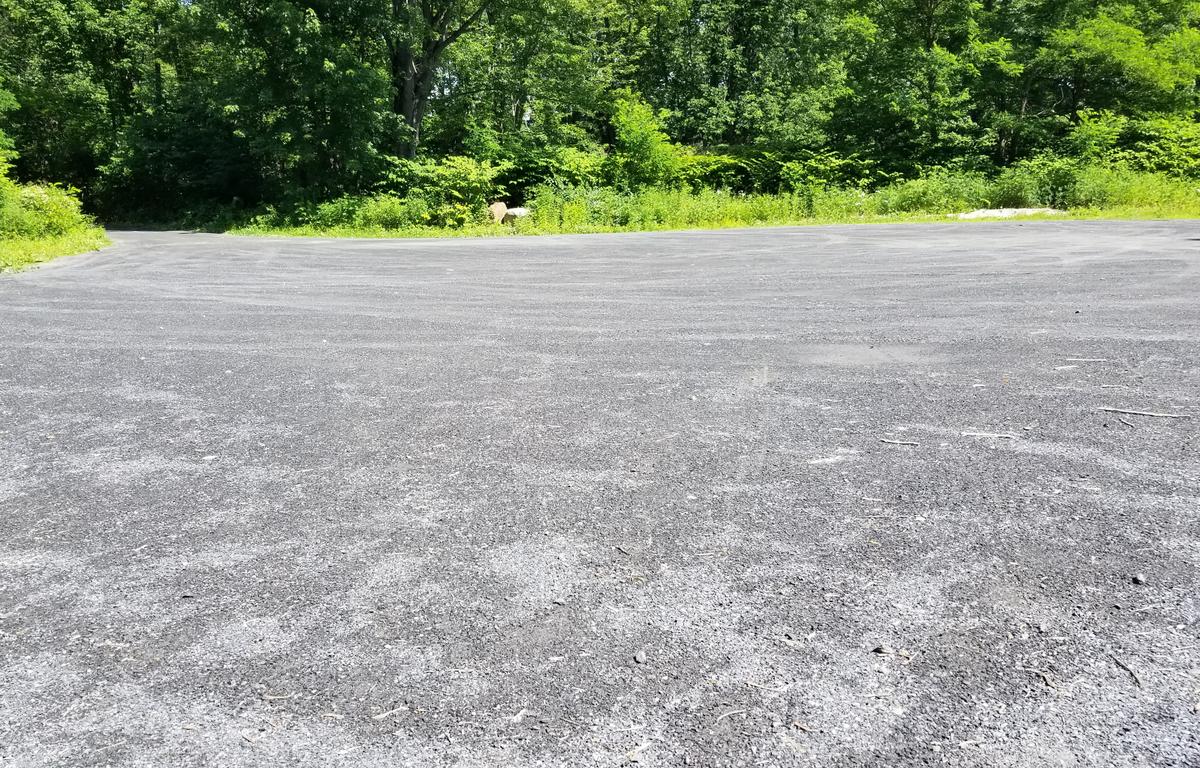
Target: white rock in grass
[(1006, 213), (515, 213)]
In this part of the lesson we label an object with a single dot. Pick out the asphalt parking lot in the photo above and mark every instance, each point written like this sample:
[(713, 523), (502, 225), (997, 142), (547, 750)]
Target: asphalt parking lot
[(838, 496)]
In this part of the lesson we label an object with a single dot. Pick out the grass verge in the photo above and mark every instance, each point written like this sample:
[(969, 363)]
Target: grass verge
[(536, 228), (18, 253), (1074, 190)]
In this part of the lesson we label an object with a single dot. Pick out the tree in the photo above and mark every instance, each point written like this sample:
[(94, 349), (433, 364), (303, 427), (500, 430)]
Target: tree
[(168, 108), (417, 36), (644, 155), (7, 152)]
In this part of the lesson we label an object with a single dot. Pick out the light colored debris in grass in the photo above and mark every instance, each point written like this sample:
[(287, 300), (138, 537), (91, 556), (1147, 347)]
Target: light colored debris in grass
[(1005, 213)]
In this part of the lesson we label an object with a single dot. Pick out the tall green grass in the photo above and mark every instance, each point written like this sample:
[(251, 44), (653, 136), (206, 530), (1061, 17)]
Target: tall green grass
[(1079, 189), (40, 222), (19, 252)]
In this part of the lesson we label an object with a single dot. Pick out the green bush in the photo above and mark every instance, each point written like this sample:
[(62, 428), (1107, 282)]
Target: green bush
[(706, 171), (388, 212), (1100, 186), (455, 190), (568, 166), (1040, 182), (558, 208), (825, 169), (644, 155), (380, 211), (7, 151), (1166, 144), (941, 191), (749, 170), (35, 211), (12, 214), (340, 212), (839, 204)]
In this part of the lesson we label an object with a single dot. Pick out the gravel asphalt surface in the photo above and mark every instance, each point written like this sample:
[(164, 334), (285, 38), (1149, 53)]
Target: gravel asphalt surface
[(836, 496)]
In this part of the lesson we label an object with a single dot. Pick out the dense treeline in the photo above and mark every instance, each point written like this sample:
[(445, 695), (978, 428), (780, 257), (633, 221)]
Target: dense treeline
[(161, 108)]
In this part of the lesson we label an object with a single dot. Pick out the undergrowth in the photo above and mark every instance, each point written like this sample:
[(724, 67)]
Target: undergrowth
[(41, 222), (1077, 190)]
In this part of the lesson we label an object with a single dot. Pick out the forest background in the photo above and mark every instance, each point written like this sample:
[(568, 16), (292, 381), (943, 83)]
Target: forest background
[(399, 115)]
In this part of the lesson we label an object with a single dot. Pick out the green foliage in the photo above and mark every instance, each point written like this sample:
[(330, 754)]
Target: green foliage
[(1097, 134), (1065, 183), (41, 221), (734, 169), (453, 191), (1090, 190), (570, 166), (7, 151), (1115, 187), (1165, 144), (1107, 61), (388, 212), (938, 191), (450, 193), (824, 169), (583, 209), (746, 170), (709, 171), (643, 154), (1043, 181), (19, 252), (208, 110), (38, 221), (38, 211)]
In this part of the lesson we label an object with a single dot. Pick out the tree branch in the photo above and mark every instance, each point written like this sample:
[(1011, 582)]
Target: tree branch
[(468, 22)]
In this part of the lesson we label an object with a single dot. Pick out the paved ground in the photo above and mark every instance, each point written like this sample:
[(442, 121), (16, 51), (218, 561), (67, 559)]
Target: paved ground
[(605, 500)]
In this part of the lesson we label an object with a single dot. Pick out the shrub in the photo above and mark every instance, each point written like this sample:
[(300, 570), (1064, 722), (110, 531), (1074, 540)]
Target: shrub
[(1040, 182), (382, 211), (753, 170), (644, 155), (824, 169), (7, 151), (558, 208), (12, 215), (1166, 144), (1101, 186), (35, 211), (839, 203), (940, 191), (388, 212), (340, 212), (1097, 134), (705, 171), (455, 190)]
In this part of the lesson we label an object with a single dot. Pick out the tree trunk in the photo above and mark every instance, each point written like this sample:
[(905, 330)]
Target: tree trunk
[(412, 71), (405, 98)]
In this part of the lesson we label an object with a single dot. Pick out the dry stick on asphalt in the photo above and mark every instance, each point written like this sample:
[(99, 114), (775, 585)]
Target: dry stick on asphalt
[(1136, 680), (895, 442), (997, 435), (1148, 413), (1044, 675), (1126, 423), (730, 713)]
